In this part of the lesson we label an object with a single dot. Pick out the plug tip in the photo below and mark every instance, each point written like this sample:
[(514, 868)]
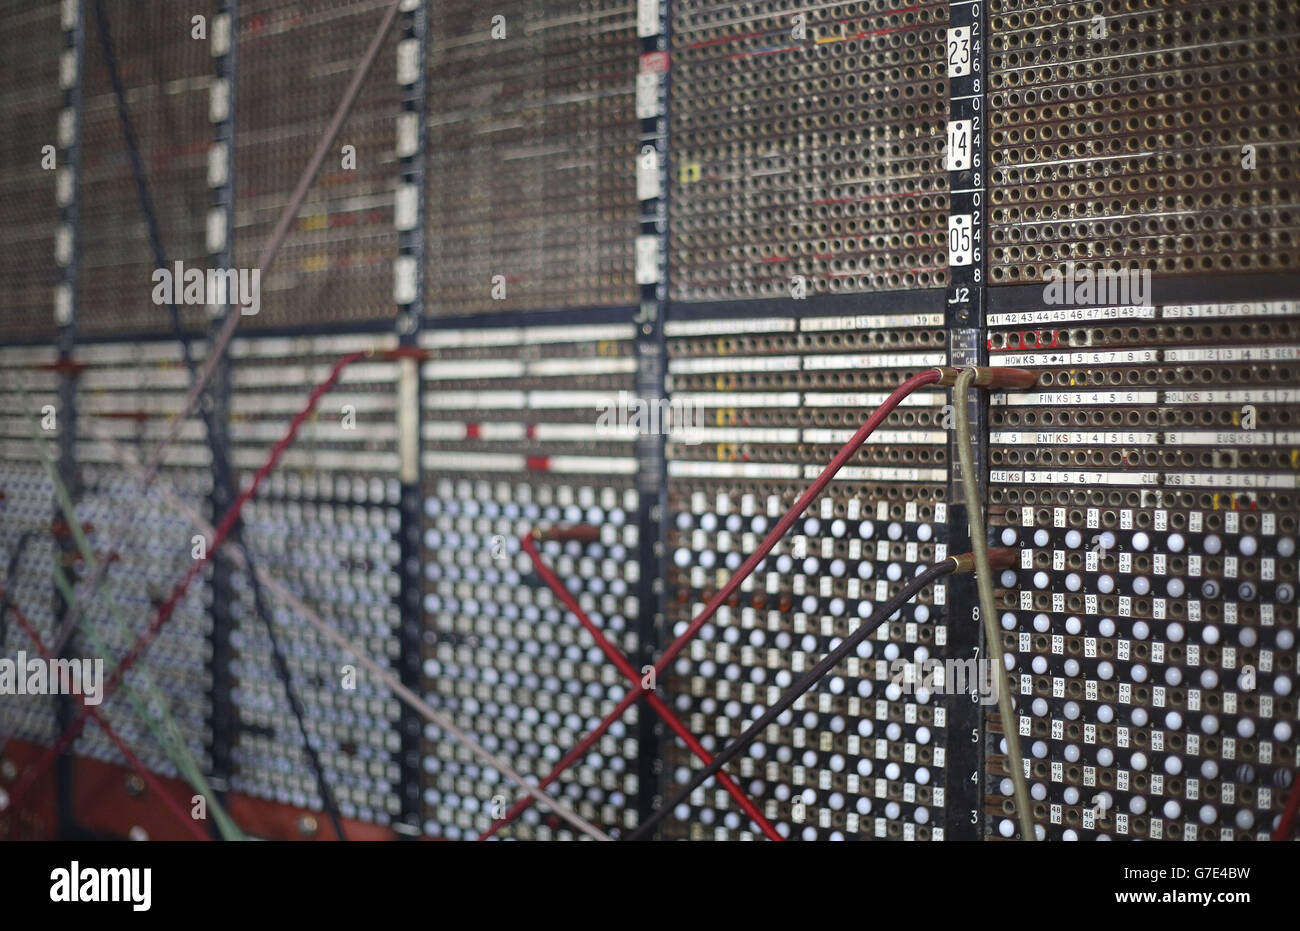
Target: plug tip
[(583, 533), (999, 377), (1002, 558)]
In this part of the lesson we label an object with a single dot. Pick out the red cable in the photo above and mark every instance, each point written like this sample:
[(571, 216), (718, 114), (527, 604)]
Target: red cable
[(1284, 826), (223, 529), (930, 376), (620, 660), (136, 764)]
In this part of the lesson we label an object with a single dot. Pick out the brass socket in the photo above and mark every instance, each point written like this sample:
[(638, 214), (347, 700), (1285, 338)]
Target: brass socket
[(998, 559)]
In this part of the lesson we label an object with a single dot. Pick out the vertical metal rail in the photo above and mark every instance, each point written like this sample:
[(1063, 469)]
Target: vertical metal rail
[(412, 57), (653, 28), (965, 53), (220, 245), (67, 255)]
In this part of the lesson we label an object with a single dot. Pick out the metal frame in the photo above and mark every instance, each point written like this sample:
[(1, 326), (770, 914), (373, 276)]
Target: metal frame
[(223, 723), (409, 322), (68, 147)]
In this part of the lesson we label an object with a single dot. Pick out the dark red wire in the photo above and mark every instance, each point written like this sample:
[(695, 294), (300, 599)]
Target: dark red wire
[(1284, 826), (136, 763), (620, 660), (930, 376), (165, 610)]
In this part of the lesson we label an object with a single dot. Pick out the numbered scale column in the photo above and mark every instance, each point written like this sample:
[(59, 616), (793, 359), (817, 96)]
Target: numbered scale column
[(964, 319)]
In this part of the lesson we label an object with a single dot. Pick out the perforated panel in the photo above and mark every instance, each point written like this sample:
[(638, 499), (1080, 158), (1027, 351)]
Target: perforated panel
[(1150, 480), (1143, 135), (806, 143), (532, 146), (513, 441), (295, 62), (856, 757)]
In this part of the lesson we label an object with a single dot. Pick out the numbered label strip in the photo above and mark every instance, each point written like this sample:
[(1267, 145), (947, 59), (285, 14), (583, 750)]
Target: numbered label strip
[(966, 160)]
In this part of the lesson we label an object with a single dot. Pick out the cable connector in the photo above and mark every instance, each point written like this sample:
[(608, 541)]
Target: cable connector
[(67, 366), (583, 533), (989, 377), (998, 559), (406, 352)]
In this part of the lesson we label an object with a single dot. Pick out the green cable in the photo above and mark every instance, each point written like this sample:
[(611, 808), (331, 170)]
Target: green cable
[(160, 722), (984, 583)]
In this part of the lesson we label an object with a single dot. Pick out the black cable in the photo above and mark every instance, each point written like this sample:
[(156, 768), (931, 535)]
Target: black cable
[(792, 694), (11, 573), (236, 537)]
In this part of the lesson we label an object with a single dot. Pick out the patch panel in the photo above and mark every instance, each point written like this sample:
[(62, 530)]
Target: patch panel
[(295, 60), (166, 75), (1143, 136), (806, 145), (857, 757), (31, 91), (126, 394), (26, 512), (532, 156), (325, 525), (512, 442), (624, 278), (1150, 479)]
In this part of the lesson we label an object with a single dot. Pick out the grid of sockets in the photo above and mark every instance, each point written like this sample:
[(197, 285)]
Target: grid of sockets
[(167, 74), (1150, 479), (325, 524), (126, 396), (512, 441), (532, 143), (27, 508), (295, 61), (857, 757), (806, 148), (29, 96), (1137, 134)]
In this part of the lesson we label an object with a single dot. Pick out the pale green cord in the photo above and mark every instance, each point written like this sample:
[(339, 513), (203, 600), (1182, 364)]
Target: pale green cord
[(160, 721), (984, 582)]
